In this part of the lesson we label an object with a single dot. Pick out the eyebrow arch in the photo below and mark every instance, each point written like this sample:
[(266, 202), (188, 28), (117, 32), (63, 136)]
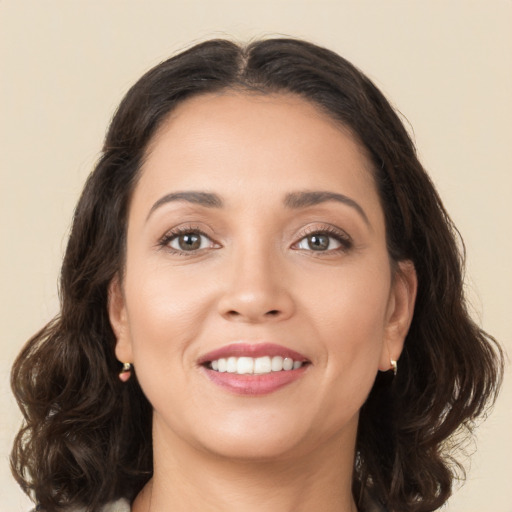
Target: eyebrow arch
[(296, 200), (202, 198)]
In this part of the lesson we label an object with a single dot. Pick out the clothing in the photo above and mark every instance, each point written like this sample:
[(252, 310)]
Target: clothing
[(121, 505), (124, 506)]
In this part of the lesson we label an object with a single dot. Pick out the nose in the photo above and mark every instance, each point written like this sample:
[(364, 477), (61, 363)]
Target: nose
[(257, 289)]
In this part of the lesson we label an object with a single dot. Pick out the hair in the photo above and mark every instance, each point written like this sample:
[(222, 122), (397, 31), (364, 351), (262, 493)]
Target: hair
[(86, 437)]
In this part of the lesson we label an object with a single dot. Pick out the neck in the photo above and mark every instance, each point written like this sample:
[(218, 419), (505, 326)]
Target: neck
[(187, 479)]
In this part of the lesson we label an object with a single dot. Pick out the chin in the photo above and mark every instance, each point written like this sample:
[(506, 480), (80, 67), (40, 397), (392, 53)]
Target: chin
[(257, 448), (272, 440)]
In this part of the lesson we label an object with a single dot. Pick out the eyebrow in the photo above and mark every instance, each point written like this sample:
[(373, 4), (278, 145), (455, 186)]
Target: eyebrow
[(202, 198), (293, 200), (296, 200)]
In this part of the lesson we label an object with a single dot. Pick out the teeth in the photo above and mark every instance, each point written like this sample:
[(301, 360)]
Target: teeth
[(276, 364), (287, 363), (231, 365), (262, 365), (222, 363), (254, 365), (244, 365)]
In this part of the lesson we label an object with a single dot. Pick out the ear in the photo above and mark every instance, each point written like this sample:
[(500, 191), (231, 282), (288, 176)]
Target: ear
[(400, 313), (119, 321)]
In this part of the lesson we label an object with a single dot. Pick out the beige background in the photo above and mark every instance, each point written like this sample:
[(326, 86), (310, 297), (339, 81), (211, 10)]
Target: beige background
[(66, 63)]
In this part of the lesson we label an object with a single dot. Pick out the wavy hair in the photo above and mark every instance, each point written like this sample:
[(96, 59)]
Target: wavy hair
[(86, 437)]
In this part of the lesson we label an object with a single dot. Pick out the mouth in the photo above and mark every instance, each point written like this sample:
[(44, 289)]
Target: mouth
[(253, 369), (254, 365)]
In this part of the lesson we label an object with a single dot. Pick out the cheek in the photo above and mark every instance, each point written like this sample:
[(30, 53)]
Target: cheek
[(353, 299), (166, 312), (166, 309), (349, 314)]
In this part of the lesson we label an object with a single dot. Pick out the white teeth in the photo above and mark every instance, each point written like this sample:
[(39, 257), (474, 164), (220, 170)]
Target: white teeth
[(222, 365), (251, 365), (287, 363), (277, 363), (245, 365), (231, 365), (262, 365)]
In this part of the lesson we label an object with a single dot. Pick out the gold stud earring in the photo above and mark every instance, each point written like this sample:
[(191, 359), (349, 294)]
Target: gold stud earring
[(126, 372), (394, 366)]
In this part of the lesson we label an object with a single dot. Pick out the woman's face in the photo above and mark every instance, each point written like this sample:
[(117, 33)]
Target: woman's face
[(256, 242)]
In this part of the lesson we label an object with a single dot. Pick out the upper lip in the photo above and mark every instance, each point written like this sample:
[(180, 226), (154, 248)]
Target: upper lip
[(242, 349)]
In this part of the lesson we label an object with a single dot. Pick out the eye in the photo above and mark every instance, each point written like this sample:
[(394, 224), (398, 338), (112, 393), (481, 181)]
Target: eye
[(319, 242), (189, 240), (324, 241)]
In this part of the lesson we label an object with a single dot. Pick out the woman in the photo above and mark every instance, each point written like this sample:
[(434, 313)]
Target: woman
[(262, 304)]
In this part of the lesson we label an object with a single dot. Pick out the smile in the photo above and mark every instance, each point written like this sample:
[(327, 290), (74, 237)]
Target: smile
[(253, 369), (254, 366)]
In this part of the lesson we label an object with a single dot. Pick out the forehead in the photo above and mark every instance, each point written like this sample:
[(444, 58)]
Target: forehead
[(229, 109), (254, 143)]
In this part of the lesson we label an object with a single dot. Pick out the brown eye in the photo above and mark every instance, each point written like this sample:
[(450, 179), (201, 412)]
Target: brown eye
[(188, 242), (319, 242)]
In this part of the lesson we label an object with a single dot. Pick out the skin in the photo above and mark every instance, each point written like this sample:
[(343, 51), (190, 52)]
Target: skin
[(256, 278)]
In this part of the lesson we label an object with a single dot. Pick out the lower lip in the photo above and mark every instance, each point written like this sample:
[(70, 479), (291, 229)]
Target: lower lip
[(254, 385)]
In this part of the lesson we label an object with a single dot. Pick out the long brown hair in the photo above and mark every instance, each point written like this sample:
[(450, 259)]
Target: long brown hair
[(86, 438)]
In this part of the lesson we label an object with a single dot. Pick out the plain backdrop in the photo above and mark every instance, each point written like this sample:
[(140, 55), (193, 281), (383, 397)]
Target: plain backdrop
[(446, 65)]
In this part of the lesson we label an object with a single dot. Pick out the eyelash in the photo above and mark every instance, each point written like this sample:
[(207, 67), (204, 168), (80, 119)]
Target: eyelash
[(180, 231), (345, 241), (340, 236)]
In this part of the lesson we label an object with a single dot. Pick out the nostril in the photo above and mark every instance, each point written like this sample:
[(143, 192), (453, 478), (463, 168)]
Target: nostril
[(273, 312)]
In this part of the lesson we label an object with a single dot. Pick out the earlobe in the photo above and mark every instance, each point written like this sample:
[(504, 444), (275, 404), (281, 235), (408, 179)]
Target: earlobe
[(119, 320), (400, 313)]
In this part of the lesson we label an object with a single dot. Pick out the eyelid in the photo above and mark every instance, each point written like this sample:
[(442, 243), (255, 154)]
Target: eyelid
[(184, 229), (330, 230), (326, 229)]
